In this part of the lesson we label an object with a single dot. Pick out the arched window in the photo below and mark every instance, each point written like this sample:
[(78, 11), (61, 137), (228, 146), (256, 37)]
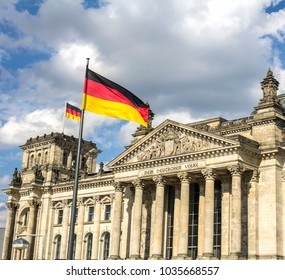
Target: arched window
[(25, 217), (106, 246), (39, 159), (57, 247), (89, 246), (32, 160)]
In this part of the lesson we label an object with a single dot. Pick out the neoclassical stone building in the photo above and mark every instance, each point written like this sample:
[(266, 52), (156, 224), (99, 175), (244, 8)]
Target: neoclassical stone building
[(213, 189)]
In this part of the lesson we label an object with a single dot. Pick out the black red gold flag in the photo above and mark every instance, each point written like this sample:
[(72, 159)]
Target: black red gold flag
[(105, 97), (72, 112)]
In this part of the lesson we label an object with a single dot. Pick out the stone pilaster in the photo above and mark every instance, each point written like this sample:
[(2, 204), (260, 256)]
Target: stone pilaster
[(236, 172), (64, 236), (96, 234), (252, 215), (80, 228), (9, 230), (159, 211), (209, 175), (184, 214), (116, 222), (137, 220)]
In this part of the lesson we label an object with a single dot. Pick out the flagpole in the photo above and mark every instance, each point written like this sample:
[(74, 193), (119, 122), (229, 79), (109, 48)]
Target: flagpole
[(64, 113), (75, 190)]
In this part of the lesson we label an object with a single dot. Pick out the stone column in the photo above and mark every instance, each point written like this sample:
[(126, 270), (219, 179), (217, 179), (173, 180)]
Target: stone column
[(184, 214), (159, 211), (236, 172), (96, 234), (80, 228), (116, 222), (9, 231), (252, 212), (209, 176), (137, 220), (201, 219), (31, 228), (176, 221), (64, 236), (225, 241)]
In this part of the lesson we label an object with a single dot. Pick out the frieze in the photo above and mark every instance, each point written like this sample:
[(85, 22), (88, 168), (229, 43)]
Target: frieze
[(172, 169)]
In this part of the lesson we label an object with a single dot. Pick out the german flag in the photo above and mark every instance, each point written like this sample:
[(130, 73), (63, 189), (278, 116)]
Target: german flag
[(72, 112), (104, 97)]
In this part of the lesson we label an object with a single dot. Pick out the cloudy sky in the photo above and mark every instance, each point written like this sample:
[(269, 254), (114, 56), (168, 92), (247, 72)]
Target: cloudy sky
[(189, 59)]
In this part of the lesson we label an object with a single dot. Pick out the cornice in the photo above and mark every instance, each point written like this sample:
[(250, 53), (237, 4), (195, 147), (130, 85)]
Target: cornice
[(176, 159), (91, 184)]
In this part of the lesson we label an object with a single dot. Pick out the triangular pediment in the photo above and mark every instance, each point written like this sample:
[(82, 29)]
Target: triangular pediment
[(171, 139)]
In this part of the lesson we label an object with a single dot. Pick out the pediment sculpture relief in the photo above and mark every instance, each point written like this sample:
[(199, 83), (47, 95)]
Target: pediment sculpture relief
[(172, 142)]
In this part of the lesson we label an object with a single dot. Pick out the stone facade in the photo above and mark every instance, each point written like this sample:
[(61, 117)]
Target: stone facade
[(214, 189)]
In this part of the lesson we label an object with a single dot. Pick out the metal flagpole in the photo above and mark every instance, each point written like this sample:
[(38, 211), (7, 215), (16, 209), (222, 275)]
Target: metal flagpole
[(64, 113), (75, 190)]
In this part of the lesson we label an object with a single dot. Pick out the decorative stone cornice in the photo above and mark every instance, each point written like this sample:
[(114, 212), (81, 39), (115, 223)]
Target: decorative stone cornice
[(68, 186), (220, 152)]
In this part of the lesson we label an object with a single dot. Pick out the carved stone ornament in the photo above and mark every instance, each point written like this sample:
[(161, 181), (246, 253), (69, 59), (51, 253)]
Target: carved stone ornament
[(209, 173), (236, 169), (184, 177), (159, 180), (172, 142), (138, 183), (119, 186)]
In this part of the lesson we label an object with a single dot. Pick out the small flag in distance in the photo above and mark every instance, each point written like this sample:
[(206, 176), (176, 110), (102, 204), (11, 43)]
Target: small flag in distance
[(72, 112)]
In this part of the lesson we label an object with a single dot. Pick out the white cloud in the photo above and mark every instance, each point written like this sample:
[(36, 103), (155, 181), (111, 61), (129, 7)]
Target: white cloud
[(204, 57), (3, 215)]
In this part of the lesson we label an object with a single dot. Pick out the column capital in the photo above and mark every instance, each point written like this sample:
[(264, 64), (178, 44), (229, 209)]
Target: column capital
[(138, 183), (184, 177), (96, 198), (209, 173), (12, 205), (119, 186), (159, 180), (236, 169), (33, 203), (80, 201)]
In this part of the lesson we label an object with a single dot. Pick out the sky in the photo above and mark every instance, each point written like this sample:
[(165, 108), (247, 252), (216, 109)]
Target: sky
[(190, 60)]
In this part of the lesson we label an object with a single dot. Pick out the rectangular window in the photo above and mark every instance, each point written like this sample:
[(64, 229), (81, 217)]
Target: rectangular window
[(107, 212), (59, 216), (76, 215), (91, 214)]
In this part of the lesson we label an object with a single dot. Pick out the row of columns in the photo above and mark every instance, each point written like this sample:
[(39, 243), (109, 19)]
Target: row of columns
[(231, 216)]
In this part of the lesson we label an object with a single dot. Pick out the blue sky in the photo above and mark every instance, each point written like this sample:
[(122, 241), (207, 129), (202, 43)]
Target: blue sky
[(190, 60)]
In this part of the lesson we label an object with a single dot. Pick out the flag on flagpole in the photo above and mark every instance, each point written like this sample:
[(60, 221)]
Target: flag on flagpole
[(72, 112), (104, 97)]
